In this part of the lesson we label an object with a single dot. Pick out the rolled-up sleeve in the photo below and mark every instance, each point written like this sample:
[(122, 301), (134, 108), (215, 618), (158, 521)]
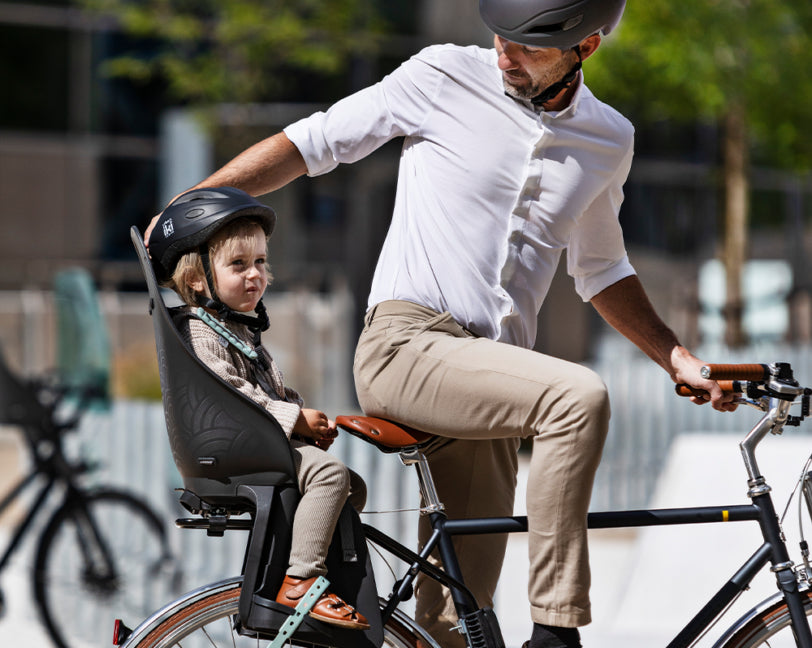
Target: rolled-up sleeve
[(362, 122), (596, 254)]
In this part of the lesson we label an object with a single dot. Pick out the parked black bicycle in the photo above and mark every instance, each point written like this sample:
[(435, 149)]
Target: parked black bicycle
[(253, 475), (100, 550)]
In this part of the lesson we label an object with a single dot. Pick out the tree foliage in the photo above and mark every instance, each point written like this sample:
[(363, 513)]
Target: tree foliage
[(233, 50), (698, 59)]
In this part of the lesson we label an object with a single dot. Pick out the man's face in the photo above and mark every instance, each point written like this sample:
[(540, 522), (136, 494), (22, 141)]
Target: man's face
[(528, 71)]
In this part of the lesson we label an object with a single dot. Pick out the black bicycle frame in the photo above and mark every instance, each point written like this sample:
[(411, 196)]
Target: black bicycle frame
[(773, 551), (22, 528)]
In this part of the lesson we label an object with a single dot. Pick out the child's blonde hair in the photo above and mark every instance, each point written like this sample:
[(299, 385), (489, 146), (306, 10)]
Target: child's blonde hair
[(189, 267)]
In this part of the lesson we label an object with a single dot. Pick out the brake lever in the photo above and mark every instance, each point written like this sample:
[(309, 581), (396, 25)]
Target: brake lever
[(761, 404)]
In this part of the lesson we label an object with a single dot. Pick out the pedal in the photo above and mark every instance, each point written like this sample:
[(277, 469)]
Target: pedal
[(482, 629)]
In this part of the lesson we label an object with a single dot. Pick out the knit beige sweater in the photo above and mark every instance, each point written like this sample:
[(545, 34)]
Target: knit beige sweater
[(236, 369)]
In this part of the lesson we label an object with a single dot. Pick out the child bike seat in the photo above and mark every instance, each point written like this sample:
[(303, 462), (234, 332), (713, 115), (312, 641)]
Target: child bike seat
[(19, 404), (231, 452), (220, 438), (383, 434)]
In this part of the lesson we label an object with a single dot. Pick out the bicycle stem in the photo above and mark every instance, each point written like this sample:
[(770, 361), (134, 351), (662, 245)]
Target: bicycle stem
[(773, 421)]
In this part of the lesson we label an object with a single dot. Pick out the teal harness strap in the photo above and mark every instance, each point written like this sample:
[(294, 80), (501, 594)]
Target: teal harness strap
[(305, 605), (227, 335)]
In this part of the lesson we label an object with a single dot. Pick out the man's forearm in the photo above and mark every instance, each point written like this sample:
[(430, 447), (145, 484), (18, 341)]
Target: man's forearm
[(265, 167), (260, 169), (626, 307)]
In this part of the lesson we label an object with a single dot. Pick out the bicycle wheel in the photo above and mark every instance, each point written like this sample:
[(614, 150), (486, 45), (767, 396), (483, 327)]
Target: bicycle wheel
[(102, 555), (204, 618), (766, 625)]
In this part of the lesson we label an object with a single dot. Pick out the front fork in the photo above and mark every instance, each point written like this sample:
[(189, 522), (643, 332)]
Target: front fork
[(786, 574), (806, 489)]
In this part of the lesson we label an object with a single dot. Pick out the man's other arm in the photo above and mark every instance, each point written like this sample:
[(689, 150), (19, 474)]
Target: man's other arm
[(627, 308)]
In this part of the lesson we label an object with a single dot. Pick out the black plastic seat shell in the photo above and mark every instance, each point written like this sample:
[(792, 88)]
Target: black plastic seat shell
[(219, 437)]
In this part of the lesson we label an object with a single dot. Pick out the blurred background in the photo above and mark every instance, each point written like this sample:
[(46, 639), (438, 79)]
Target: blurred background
[(110, 108)]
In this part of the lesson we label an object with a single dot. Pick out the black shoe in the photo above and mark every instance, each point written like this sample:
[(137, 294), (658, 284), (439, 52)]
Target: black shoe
[(553, 637)]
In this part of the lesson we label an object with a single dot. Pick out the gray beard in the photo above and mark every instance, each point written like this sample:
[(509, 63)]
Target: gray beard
[(525, 93), (535, 88)]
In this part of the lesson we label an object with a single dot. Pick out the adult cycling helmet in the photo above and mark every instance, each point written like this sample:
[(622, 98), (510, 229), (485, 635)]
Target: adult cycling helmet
[(192, 219), (550, 23)]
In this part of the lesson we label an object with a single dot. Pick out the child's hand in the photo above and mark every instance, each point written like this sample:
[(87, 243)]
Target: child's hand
[(315, 425)]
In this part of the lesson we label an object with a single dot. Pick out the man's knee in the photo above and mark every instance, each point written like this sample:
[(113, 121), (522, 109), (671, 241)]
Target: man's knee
[(583, 386), (579, 402), (595, 396)]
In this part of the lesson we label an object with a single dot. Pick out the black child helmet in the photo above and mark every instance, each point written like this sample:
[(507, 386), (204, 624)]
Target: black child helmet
[(189, 222), (550, 23), (193, 218)]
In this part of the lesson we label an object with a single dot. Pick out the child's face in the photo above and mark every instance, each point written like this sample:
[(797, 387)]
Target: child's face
[(239, 272)]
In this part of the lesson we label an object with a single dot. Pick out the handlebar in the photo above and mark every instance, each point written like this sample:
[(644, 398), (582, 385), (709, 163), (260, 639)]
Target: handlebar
[(734, 372), (771, 388), (728, 386), (758, 384)]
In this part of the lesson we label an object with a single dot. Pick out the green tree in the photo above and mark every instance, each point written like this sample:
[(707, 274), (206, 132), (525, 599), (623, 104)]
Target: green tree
[(743, 63), (233, 50)]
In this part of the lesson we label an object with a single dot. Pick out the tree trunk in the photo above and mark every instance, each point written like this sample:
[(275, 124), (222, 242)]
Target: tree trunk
[(736, 164)]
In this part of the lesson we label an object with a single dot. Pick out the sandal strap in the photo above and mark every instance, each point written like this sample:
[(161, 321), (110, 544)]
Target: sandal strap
[(310, 599), (335, 602)]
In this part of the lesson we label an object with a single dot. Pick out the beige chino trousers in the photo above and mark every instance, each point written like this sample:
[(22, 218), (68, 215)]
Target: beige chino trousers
[(419, 367)]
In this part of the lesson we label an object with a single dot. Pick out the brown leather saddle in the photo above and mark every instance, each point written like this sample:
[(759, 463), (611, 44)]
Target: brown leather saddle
[(385, 435)]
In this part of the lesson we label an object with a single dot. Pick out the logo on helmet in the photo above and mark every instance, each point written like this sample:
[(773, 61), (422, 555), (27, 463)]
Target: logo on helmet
[(169, 228)]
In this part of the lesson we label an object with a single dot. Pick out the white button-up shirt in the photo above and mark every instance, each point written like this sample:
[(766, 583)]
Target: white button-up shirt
[(489, 191)]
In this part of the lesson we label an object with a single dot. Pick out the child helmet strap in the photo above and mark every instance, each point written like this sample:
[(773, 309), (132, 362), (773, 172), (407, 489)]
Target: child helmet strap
[(259, 323)]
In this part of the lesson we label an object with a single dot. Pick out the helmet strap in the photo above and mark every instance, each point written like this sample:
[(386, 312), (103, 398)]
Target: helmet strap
[(203, 251), (545, 95), (257, 324)]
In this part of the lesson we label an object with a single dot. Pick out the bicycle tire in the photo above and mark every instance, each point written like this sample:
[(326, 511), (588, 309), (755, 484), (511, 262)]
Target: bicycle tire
[(766, 625), (204, 617), (77, 599)]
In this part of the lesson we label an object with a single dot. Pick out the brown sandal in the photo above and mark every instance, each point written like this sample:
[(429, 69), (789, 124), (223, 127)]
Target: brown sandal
[(330, 608)]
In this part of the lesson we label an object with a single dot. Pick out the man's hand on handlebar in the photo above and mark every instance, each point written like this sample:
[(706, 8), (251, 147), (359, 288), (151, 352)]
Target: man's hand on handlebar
[(687, 374)]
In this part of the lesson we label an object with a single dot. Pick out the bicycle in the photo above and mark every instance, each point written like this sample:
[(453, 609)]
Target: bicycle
[(779, 620), (102, 548), (236, 461)]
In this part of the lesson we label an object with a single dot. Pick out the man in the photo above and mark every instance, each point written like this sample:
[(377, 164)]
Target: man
[(508, 159)]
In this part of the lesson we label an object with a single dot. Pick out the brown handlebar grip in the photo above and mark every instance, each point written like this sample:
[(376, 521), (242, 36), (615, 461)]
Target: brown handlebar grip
[(732, 386), (754, 372), (684, 390)]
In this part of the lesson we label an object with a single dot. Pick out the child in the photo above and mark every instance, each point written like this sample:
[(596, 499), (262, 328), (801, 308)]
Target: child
[(210, 247)]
